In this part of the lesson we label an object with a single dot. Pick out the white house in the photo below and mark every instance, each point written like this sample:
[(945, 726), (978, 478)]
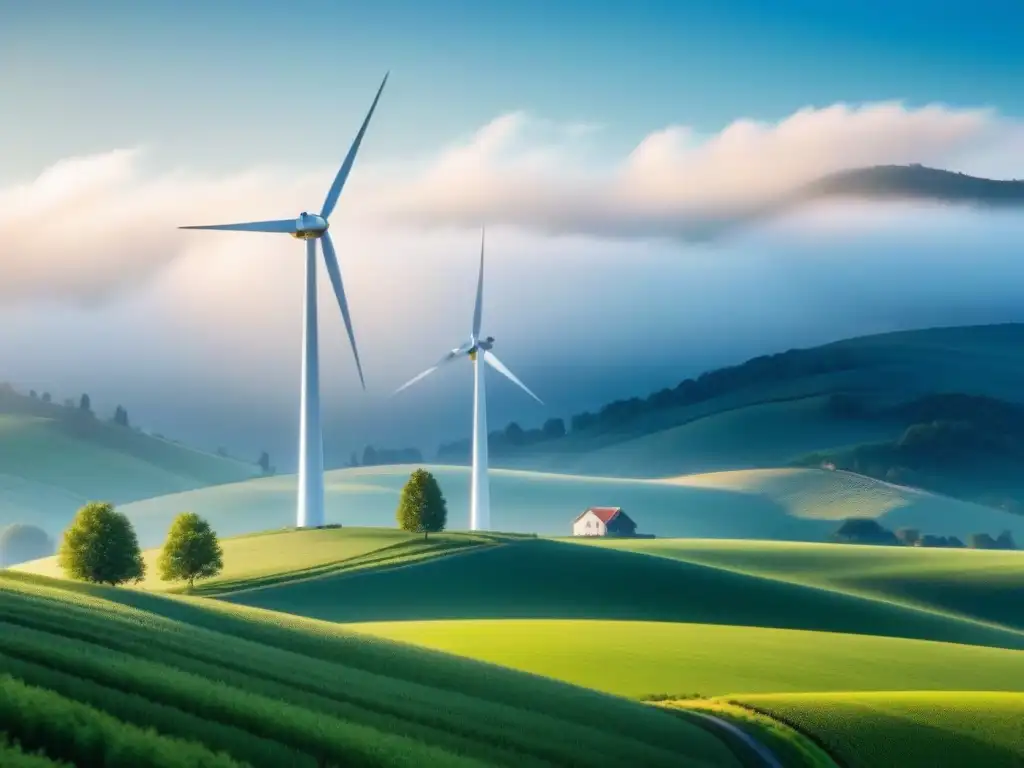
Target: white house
[(603, 521)]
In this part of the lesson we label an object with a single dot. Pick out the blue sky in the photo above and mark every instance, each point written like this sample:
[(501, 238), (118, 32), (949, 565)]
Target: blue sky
[(229, 83)]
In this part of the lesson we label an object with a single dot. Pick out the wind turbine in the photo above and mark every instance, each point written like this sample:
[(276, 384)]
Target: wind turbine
[(479, 350), (312, 227)]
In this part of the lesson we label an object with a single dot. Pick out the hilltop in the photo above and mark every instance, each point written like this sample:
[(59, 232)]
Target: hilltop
[(54, 458), (916, 182), (774, 410)]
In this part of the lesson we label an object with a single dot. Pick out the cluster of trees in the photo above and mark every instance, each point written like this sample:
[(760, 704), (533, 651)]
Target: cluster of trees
[(374, 457), (966, 446), (504, 441), (865, 530), (622, 414), (100, 546), (422, 507)]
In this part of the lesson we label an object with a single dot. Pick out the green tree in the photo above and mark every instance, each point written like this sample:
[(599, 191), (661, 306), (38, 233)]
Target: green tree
[(100, 546), (191, 551), (421, 507)]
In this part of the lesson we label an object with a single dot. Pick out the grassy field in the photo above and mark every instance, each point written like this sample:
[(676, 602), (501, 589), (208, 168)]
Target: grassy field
[(974, 584), (274, 558), (639, 659), (50, 467), (910, 730), (795, 504), (86, 671)]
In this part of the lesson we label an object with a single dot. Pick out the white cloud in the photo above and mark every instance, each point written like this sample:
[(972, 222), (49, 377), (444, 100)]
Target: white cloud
[(678, 184), (87, 227)]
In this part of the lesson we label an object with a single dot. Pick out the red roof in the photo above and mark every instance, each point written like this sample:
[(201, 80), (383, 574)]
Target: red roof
[(604, 514)]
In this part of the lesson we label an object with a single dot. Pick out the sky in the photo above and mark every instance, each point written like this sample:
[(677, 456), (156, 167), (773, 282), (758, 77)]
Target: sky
[(597, 140)]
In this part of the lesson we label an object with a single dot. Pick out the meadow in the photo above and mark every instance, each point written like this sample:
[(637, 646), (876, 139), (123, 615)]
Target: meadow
[(784, 504), (710, 621), (267, 690), (911, 729)]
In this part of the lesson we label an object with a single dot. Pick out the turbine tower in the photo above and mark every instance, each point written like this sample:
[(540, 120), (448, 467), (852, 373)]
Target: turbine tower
[(312, 227), (480, 351)]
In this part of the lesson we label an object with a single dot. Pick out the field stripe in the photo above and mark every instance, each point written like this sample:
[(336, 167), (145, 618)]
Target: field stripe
[(730, 734)]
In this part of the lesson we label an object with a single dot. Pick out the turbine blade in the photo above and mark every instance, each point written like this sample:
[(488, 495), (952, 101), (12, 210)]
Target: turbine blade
[(499, 366), (478, 309), (331, 259), (284, 226), (446, 359), (339, 180)]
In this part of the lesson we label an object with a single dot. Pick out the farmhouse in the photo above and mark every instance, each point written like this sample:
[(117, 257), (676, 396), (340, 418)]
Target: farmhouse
[(603, 521)]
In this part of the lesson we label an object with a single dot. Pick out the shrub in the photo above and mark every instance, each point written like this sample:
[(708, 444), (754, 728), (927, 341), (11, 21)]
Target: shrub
[(100, 546), (864, 530)]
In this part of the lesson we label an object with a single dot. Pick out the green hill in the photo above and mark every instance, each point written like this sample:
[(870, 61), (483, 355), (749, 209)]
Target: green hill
[(793, 504), (771, 410), (86, 671), (915, 730), (55, 458), (302, 623)]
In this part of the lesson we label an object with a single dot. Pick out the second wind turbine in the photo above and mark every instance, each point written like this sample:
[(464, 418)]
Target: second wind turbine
[(480, 351)]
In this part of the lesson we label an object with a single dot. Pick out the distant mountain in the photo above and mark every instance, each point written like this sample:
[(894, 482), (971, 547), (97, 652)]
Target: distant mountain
[(915, 182)]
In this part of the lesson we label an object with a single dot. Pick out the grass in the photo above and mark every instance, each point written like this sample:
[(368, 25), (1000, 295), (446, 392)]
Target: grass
[(973, 584), (544, 579), (712, 660), (273, 690), (280, 557), (915, 730), (49, 467), (800, 505)]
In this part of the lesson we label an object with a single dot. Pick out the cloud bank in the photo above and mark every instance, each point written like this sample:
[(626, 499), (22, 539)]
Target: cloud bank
[(87, 227)]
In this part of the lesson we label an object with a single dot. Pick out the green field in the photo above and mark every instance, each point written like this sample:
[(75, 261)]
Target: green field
[(972, 584), (712, 660), (49, 467), (806, 628), (911, 730), (789, 504), (102, 665)]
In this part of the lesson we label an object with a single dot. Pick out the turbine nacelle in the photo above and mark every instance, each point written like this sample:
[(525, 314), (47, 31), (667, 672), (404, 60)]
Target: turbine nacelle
[(480, 345), (309, 226)]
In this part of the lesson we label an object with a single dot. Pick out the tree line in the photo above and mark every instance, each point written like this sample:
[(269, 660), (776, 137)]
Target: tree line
[(866, 530), (620, 415)]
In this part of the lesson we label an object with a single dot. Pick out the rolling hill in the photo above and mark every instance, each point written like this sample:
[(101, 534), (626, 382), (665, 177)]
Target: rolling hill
[(799, 631), (791, 504), (772, 410), (53, 459), (121, 678)]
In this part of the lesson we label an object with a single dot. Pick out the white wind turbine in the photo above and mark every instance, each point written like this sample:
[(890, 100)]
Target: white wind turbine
[(313, 227), (479, 350)]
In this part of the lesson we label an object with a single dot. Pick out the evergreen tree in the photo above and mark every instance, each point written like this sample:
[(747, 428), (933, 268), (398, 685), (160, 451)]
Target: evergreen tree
[(191, 551), (100, 546), (422, 507), (85, 403), (264, 462)]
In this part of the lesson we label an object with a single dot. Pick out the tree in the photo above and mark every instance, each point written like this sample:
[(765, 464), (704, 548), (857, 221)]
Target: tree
[(121, 416), (264, 462), (369, 456), (421, 507), (33, 394), (864, 530), (85, 404), (191, 551), (47, 397), (553, 429), (353, 460), (100, 546), (21, 542)]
